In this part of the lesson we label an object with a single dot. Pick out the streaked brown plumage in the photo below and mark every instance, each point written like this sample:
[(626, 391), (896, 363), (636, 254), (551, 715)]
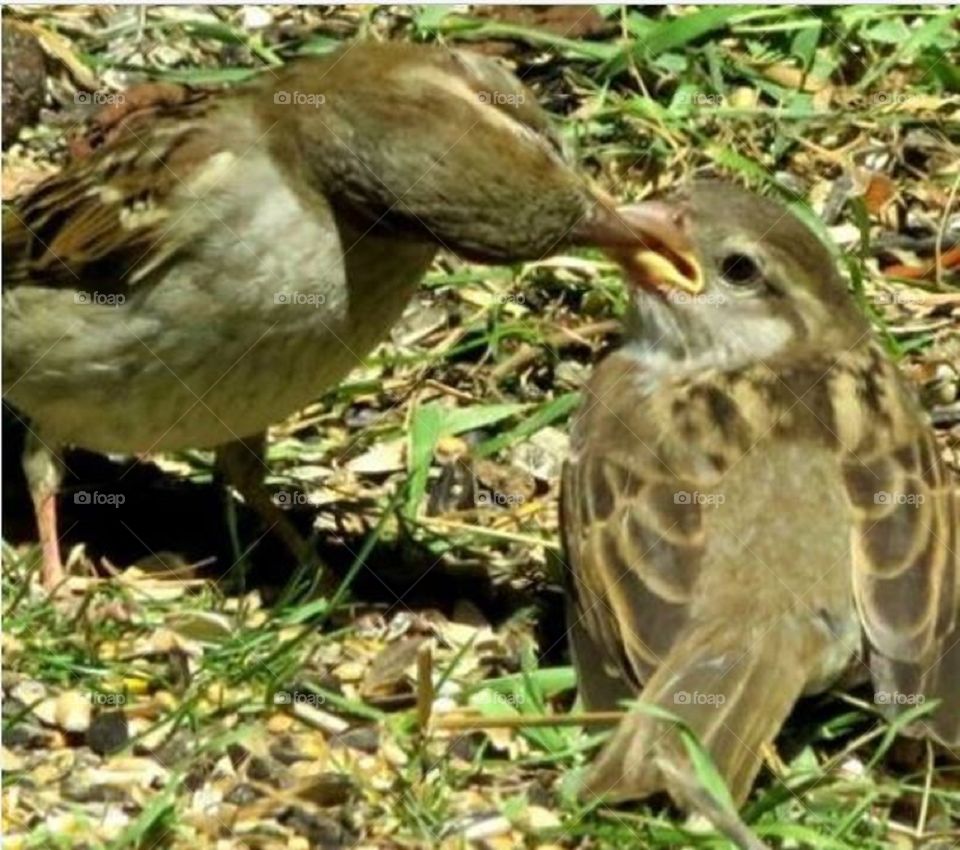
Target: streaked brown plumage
[(220, 262), (754, 508)]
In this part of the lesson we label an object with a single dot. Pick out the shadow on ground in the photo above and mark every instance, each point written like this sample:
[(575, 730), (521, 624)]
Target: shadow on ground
[(141, 511)]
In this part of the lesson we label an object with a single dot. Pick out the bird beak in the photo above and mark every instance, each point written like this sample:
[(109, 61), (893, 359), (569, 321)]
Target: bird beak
[(664, 257)]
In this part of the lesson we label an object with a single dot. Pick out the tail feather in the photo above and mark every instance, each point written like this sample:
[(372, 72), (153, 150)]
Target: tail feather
[(945, 727), (601, 686), (732, 688), (902, 684)]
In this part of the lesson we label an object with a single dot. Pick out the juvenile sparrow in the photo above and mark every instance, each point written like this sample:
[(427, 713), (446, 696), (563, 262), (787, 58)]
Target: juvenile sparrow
[(754, 506), (221, 262)]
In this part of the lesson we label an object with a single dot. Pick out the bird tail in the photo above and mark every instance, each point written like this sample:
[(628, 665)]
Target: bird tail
[(732, 688), (898, 685), (944, 726)]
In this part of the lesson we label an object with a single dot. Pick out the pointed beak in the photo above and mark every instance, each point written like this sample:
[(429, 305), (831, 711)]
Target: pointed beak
[(650, 240)]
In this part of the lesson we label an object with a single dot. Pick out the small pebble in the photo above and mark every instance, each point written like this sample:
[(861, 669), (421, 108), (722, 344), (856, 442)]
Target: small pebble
[(242, 795), (321, 831), (73, 712), (108, 733), (366, 739)]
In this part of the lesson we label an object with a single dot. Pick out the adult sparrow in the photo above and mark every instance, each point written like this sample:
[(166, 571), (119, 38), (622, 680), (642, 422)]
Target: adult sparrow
[(754, 507), (220, 262)]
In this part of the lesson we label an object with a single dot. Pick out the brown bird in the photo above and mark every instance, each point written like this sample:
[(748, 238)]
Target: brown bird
[(221, 262), (754, 507)]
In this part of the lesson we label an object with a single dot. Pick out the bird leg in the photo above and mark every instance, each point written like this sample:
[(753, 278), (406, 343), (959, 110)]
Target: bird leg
[(44, 472), (242, 465)]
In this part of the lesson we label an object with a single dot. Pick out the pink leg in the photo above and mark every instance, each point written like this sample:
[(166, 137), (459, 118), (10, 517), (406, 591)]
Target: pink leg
[(51, 570), (43, 471)]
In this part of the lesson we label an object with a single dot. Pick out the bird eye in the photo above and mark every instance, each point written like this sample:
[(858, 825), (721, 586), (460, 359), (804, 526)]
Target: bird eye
[(740, 270)]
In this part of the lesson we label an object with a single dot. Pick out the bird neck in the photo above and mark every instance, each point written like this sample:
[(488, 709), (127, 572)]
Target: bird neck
[(673, 342)]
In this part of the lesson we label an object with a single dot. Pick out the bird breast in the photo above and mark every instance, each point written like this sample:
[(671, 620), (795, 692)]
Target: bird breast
[(253, 319), (778, 542)]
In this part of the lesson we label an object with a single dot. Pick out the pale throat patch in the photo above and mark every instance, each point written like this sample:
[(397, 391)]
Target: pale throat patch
[(708, 337)]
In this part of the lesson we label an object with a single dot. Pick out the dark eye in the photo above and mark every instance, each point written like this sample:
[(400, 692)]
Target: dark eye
[(740, 270)]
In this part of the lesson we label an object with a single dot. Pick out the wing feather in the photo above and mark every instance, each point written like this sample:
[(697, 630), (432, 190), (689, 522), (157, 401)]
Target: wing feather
[(906, 576), (635, 557), (106, 218)]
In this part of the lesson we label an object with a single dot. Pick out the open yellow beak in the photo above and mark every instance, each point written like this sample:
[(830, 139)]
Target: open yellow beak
[(665, 258)]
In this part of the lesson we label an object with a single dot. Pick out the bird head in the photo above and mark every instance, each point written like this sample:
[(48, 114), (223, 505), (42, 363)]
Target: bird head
[(730, 278), (444, 146)]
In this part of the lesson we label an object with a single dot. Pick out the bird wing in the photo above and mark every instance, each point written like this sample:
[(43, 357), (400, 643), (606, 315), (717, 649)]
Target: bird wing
[(635, 495), (634, 539), (906, 574), (635, 543), (109, 219)]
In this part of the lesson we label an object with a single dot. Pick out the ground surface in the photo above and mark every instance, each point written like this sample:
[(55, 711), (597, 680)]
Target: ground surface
[(221, 704)]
